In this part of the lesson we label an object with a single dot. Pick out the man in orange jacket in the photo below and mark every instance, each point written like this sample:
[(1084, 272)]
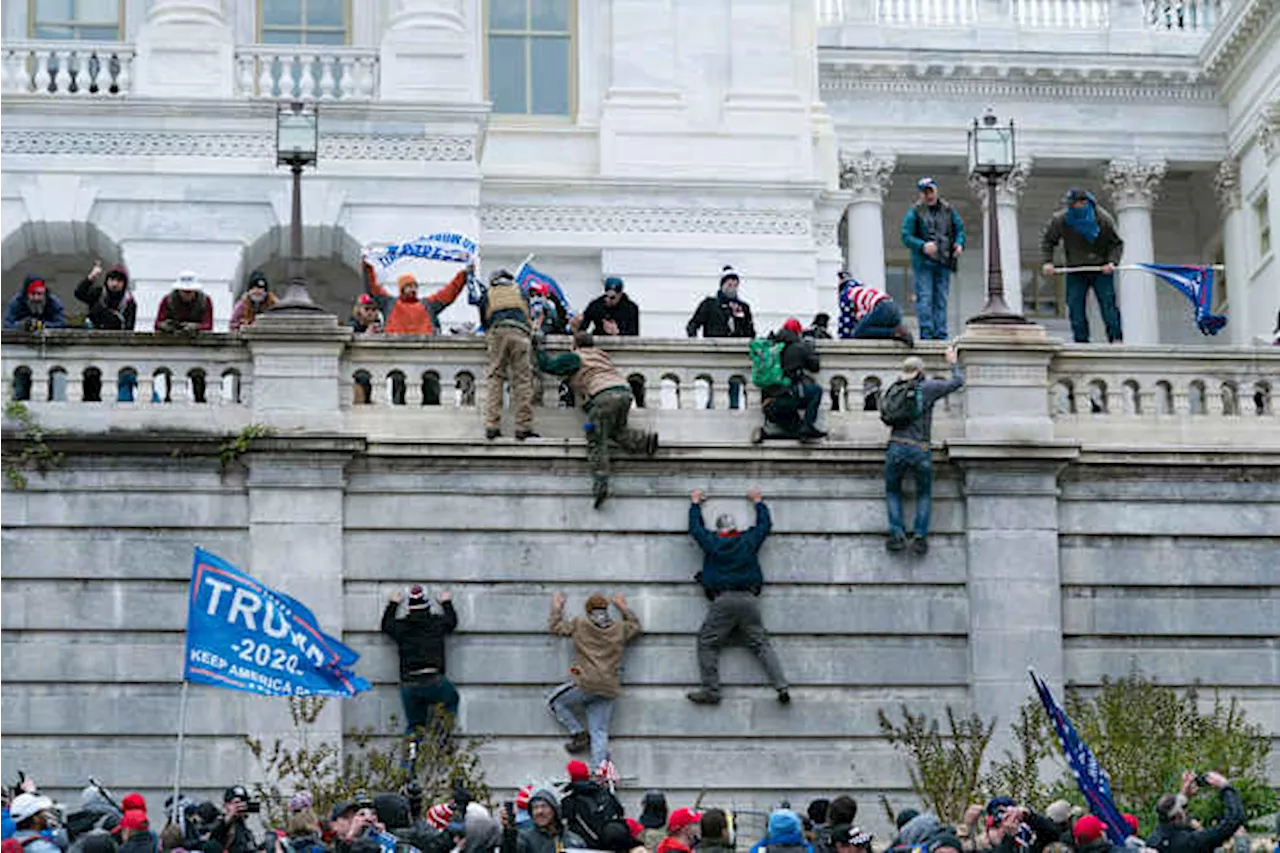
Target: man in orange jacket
[(409, 315)]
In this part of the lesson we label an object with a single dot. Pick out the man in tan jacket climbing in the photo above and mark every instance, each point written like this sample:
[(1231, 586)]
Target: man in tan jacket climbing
[(598, 642)]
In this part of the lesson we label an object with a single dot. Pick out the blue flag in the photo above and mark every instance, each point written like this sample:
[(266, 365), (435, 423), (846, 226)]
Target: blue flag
[(1092, 780), (527, 277), (1196, 283), (243, 635)]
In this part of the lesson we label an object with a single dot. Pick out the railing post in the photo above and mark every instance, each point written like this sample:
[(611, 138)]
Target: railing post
[(296, 371)]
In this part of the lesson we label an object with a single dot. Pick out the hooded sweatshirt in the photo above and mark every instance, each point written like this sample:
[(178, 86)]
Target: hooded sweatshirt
[(109, 309), (597, 661), (729, 560), (19, 309), (785, 835), (483, 832), (533, 838)]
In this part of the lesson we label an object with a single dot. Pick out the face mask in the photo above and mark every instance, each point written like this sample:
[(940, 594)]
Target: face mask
[(256, 297), (730, 290), (599, 618)]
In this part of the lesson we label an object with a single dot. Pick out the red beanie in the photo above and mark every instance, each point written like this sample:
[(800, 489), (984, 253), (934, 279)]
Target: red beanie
[(439, 815), (1088, 829), (134, 800), (578, 771), (36, 285), (1131, 821), (793, 325), (522, 798)]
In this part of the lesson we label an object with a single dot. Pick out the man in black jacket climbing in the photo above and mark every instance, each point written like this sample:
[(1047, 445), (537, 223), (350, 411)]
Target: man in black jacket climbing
[(794, 408), (1174, 833), (420, 638)]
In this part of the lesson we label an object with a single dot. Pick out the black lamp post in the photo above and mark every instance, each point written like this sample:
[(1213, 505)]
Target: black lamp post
[(991, 157), (297, 145)]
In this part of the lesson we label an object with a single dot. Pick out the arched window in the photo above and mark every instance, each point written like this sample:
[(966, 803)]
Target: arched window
[(430, 388), (91, 385), (361, 388)]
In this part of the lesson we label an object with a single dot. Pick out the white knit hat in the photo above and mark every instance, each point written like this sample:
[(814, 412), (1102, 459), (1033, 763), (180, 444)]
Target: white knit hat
[(187, 280)]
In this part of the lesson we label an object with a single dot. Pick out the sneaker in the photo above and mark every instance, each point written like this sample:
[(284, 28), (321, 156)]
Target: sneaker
[(919, 545), (784, 696), (526, 433), (903, 334), (703, 696), (492, 432), (651, 444), (578, 743), (895, 543)]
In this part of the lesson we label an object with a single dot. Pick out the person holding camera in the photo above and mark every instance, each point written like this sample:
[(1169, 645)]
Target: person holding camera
[(419, 637), (1174, 832), (545, 833), (230, 830)]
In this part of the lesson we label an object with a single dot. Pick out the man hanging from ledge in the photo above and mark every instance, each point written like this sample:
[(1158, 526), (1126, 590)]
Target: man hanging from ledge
[(409, 315), (419, 637), (608, 404)]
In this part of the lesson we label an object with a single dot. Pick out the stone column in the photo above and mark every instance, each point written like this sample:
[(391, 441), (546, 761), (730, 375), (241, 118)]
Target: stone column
[(1226, 183), (427, 53), (1008, 193), (186, 49), (1134, 186), (1263, 290), (867, 176), (828, 212)]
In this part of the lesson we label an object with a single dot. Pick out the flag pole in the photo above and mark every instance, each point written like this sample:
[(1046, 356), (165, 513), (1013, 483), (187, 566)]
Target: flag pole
[(523, 264), (1058, 270), (182, 731)]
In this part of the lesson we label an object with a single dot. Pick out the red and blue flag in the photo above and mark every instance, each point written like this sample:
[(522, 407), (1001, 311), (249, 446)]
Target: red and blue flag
[(1196, 283)]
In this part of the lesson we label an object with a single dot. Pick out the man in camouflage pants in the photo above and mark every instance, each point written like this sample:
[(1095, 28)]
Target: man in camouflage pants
[(608, 403)]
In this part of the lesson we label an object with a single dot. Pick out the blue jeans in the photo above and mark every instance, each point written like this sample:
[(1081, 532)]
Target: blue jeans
[(421, 699), (932, 283), (880, 321), (568, 701), (1104, 288), (898, 460), (785, 409)]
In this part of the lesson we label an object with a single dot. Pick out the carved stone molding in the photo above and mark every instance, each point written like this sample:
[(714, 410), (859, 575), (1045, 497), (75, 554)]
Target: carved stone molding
[(1226, 183), (1133, 182), (1269, 131), (868, 175), (1235, 34), (1009, 83), (130, 143), (645, 220), (1008, 189)]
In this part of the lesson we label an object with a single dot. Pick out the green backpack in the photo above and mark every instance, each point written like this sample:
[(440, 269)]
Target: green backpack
[(766, 364)]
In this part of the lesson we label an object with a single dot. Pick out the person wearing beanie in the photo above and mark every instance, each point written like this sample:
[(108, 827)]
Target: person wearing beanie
[(945, 841), (683, 827), (866, 312), (419, 639), (611, 313), (714, 833), (731, 579), (34, 308), (596, 671), (508, 327), (819, 329), (1089, 238), (910, 450), (185, 309), (590, 810), (1174, 832), (785, 834), (653, 817), (794, 404), (934, 232), (723, 315), (406, 313), (230, 829), (847, 838), (545, 832), (111, 305), (257, 300), (136, 836), (593, 377)]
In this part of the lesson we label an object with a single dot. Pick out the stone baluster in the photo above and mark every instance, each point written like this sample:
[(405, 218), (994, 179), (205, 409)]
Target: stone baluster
[(867, 176), (102, 79), (124, 78), (213, 390), (285, 87), (346, 83), (1213, 398), (62, 80), (307, 76), (42, 78), (326, 76), (244, 74), (413, 390), (7, 69), (266, 82), (1134, 185), (39, 383)]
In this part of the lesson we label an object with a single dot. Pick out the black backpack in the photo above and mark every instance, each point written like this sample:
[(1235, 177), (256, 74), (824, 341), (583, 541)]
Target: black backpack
[(902, 402), (589, 811)]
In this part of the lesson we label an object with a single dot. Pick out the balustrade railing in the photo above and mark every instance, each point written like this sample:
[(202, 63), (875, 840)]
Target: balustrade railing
[(1187, 16), (307, 72), (1062, 14), (66, 69), (926, 12)]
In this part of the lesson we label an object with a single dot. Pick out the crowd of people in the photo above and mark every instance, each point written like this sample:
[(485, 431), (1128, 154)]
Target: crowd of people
[(584, 812)]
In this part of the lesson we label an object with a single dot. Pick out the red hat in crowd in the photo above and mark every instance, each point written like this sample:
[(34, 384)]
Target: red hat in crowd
[(540, 289), (1088, 829), (34, 286), (793, 325), (523, 796), (134, 820), (439, 815), (635, 827), (1131, 821), (680, 818), (578, 771), (132, 801)]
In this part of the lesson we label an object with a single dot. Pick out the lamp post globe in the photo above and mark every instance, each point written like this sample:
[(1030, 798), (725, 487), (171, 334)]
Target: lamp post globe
[(992, 156)]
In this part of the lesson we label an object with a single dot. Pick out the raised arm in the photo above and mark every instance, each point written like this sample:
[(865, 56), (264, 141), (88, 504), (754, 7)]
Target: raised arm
[(763, 526), (556, 623), (445, 296), (630, 622), (450, 615), (697, 528)]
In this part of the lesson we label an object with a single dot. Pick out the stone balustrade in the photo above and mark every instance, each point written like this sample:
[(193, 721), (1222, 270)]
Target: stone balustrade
[(66, 69), (307, 72)]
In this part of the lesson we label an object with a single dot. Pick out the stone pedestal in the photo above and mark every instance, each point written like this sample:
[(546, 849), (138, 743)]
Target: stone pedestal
[(1006, 382), (867, 176), (296, 378), (1134, 186), (185, 50)]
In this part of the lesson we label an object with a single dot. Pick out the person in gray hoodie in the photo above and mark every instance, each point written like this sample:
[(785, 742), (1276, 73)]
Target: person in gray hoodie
[(545, 833)]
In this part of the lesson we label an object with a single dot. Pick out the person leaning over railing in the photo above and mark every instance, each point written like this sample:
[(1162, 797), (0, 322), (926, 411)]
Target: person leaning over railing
[(111, 305), (185, 310), (34, 308)]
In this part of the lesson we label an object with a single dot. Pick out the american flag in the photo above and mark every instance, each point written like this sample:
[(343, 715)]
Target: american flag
[(607, 773), (1092, 780)]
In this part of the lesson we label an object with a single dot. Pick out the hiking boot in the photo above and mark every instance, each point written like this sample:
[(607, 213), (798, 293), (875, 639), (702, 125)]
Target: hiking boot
[(895, 544), (578, 743), (902, 333), (703, 696), (601, 493), (919, 546), (492, 432), (651, 444), (526, 433), (784, 696)]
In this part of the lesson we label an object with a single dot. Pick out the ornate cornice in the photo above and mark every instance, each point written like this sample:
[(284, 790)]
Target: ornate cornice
[(645, 220), (1017, 83), (1235, 33), (1133, 182), (1008, 189), (1226, 184), (866, 174), (128, 143)]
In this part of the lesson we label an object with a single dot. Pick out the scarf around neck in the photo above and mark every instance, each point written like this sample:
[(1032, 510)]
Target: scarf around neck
[(1084, 221)]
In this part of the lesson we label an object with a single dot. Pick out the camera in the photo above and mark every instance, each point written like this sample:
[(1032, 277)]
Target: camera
[(253, 806), (1202, 780)]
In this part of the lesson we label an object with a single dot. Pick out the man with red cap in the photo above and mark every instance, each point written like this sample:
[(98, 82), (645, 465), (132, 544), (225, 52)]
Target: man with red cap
[(419, 638), (682, 832), (34, 308), (590, 810), (793, 404)]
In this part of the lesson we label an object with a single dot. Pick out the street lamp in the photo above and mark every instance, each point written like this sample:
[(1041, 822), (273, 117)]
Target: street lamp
[(297, 145), (991, 156)]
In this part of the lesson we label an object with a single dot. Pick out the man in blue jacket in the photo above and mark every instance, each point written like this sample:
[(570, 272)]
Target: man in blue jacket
[(34, 308), (934, 233), (731, 579)]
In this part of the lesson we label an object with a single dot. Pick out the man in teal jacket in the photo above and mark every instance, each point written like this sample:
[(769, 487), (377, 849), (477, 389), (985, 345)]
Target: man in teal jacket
[(934, 233)]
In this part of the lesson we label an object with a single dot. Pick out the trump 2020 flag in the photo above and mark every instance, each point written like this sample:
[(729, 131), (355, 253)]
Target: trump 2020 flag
[(527, 277), (243, 635), (1196, 283), (1093, 781)]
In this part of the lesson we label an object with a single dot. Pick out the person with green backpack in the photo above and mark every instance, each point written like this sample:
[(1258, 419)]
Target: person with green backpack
[(907, 407), (780, 368)]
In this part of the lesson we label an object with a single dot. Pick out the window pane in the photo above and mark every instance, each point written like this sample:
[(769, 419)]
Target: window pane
[(98, 11), (44, 31), (326, 37), (506, 74), (281, 12), (55, 10), (282, 37), (550, 70), (326, 13), (551, 15), (508, 14), (99, 33)]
